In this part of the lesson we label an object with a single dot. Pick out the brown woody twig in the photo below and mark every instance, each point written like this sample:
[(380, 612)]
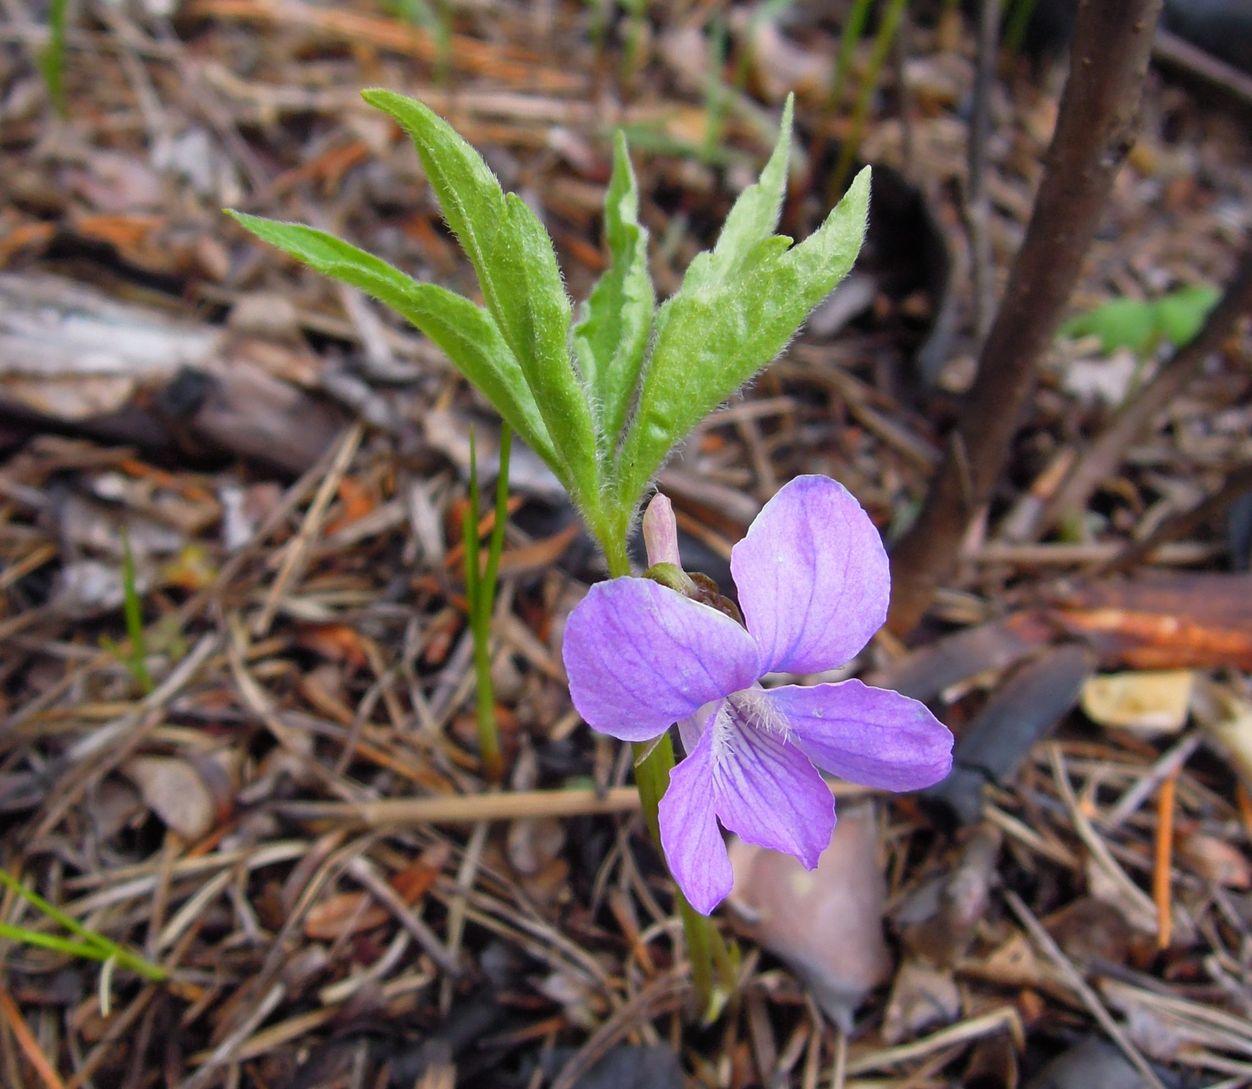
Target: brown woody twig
[(1094, 132)]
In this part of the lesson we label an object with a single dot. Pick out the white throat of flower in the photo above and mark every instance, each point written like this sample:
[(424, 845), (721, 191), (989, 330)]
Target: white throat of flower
[(748, 709)]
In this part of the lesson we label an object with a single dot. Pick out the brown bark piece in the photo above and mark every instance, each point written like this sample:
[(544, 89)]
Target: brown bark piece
[(1165, 621), (72, 358)]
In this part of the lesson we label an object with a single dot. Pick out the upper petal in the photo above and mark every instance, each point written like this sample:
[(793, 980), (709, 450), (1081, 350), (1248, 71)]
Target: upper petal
[(766, 791), (866, 735), (812, 576), (693, 843), (640, 656)]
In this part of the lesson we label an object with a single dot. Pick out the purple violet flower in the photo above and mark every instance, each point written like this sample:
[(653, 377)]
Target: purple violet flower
[(813, 586)]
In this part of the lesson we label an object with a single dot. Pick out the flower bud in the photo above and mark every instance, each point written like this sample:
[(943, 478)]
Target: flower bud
[(660, 532)]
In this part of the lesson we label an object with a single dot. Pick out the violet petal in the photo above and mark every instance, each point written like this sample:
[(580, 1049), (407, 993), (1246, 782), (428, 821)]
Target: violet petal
[(812, 576), (866, 735), (692, 841), (767, 792), (640, 656)]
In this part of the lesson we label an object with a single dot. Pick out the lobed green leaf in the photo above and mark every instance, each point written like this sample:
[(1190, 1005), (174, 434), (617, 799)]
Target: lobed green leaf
[(612, 337), (644, 377), (517, 271), (753, 216), (1181, 314), (715, 337), (1141, 324), (466, 332)]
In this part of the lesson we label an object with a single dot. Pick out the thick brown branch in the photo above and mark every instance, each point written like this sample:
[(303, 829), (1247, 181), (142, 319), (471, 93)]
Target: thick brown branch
[(1095, 129)]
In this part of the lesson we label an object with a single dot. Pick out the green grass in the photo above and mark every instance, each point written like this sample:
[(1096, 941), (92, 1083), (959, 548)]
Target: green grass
[(480, 591), (52, 57), (85, 944), (851, 145), (134, 655)]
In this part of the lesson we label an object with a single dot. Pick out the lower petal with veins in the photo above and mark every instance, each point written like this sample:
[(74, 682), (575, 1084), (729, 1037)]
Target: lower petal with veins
[(690, 836), (765, 789)]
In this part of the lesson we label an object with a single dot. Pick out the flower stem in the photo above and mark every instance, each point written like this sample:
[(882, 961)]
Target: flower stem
[(654, 760), (614, 545), (705, 948)]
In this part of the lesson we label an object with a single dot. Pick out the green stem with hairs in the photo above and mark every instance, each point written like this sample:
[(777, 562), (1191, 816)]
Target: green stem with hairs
[(711, 962)]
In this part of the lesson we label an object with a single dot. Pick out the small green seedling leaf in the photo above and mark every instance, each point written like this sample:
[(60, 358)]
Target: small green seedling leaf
[(1141, 325), (465, 332), (90, 946), (1181, 313), (132, 610), (713, 339), (612, 337), (518, 274), (1118, 323)]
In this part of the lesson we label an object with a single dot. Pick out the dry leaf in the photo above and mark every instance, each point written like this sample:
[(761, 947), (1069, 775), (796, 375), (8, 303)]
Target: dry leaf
[(176, 792), (1091, 1063), (922, 997), (532, 844), (632, 1067), (993, 1064), (335, 643), (420, 875), (1216, 860), (85, 588), (1095, 381), (1227, 721), (1174, 620), (1151, 701), (1013, 964), (938, 921), (1027, 703), (827, 923), (779, 64), (1088, 929)]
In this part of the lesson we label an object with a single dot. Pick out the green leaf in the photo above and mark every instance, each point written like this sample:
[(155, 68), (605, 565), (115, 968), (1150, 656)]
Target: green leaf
[(539, 315), (1181, 313), (613, 335), (517, 271), (753, 217), (464, 331), (1141, 325), (1118, 323), (714, 338), (471, 340)]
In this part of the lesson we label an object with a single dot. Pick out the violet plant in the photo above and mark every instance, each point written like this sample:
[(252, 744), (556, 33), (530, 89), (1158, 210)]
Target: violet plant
[(603, 398), (643, 653)]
